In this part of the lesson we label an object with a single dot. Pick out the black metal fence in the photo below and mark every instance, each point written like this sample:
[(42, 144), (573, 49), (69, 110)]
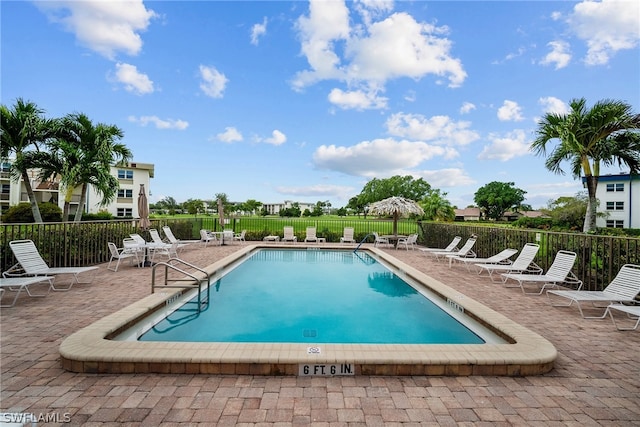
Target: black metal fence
[(599, 258), (78, 244)]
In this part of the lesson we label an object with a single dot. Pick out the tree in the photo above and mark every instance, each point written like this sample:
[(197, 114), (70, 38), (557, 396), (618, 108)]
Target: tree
[(588, 138), (251, 206), (23, 129), (436, 207), (85, 153), (568, 212), (170, 204), (398, 186), (356, 205), (194, 206), (495, 198)]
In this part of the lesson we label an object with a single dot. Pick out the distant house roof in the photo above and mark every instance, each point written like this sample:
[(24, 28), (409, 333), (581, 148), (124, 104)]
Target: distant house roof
[(468, 212)]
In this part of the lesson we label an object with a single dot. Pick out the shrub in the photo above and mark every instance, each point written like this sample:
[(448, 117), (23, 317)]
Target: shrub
[(21, 213)]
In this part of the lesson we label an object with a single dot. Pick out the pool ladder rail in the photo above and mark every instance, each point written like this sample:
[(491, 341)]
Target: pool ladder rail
[(193, 277), (361, 242)]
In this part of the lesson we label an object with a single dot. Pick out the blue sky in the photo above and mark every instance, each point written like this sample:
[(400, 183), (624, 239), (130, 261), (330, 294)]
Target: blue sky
[(307, 101)]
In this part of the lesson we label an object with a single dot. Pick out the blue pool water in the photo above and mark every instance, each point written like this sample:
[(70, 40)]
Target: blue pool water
[(312, 296)]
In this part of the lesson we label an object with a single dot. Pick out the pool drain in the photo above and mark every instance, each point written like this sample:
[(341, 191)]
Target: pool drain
[(309, 333)]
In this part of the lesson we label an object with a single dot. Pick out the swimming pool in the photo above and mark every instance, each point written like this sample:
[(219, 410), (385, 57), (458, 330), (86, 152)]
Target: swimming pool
[(312, 296), (519, 352)]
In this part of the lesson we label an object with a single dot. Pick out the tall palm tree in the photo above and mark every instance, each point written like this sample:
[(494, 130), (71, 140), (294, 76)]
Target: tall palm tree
[(85, 154), (24, 128), (607, 133)]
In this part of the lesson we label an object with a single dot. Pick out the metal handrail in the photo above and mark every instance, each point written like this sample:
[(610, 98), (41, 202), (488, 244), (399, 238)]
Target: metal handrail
[(191, 278), (361, 242)]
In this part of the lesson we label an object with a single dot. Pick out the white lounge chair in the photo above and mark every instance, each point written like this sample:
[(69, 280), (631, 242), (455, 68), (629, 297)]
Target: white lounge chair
[(379, 241), (408, 242), (631, 311), (118, 254), (465, 251), (624, 288), (499, 258), (172, 238), (451, 247), (311, 235), (289, 236), (30, 263), (347, 235), (523, 263), (19, 284), (157, 240), (558, 274), (206, 237)]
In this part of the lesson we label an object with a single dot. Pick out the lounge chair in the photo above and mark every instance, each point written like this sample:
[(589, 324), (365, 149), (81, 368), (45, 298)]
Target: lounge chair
[(172, 238), (558, 274), (499, 258), (347, 235), (624, 288), (451, 247), (118, 254), (465, 251), (157, 240), (170, 251), (30, 263), (289, 236), (523, 263), (379, 241), (19, 284), (311, 235), (408, 242), (632, 312), (206, 237)]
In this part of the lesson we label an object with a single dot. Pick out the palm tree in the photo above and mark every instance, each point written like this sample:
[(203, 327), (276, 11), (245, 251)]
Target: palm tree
[(603, 135), (85, 154), (24, 127)]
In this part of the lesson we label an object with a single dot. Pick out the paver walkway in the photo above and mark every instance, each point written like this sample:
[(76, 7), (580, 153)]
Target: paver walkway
[(596, 380)]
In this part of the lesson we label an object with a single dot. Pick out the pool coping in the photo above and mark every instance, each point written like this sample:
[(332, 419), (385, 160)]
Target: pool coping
[(90, 350)]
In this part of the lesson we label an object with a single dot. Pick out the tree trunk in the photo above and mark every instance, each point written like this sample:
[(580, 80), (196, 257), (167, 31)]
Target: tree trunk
[(35, 210), (592, 204), (83, 200)]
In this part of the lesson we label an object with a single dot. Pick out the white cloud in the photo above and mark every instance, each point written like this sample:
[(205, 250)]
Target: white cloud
[(510, 111), (375, 158), (133, 80), (607, 26), (277, 138), (159, 123), (503, 148), (559, 55), (439, 130), (229, 135), (257, 31), (357, 100), (552, 104), (106, 27), (213, 82), (366, 56), (467, 107), (444, 178)]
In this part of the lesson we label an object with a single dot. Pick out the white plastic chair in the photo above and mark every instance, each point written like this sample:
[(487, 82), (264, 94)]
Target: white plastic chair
[(347, 235), (118, 254)]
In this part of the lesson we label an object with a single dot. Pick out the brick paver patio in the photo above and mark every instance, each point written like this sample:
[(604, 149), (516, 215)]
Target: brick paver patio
[(596, 380)]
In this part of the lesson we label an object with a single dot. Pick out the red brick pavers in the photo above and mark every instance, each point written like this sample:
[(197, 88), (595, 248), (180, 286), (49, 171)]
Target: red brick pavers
[(596, 380)]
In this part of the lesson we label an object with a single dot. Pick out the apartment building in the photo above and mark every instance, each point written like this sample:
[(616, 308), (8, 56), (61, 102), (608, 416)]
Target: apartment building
[(619, 200), (130, 178), (275, 208)]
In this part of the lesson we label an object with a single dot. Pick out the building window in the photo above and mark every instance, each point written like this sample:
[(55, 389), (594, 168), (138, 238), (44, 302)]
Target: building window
[(615, 206), (124, 193), (615, 187), (615, 223), (125, 174), (5, 167), (6, 189), (122, 212)]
